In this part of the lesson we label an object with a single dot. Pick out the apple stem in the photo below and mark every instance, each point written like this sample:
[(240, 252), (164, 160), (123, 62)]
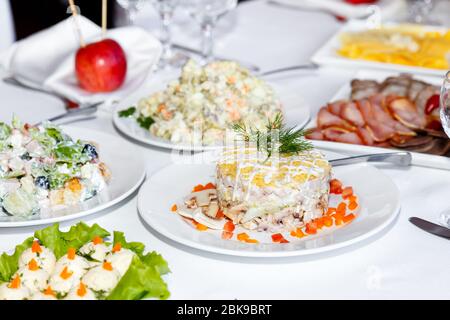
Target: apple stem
[(104, 16), (74, 10)]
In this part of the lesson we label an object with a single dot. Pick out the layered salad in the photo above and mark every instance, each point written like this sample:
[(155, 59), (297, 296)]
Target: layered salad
[(42, 169), (204, 102)]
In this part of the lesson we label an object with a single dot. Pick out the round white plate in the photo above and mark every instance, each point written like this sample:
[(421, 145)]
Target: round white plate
[(378, 198), (127, 169), (296, 114)]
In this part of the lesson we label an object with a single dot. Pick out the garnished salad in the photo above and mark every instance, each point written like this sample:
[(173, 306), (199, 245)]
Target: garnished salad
[(204, 102), (42, 169), (81, 264)]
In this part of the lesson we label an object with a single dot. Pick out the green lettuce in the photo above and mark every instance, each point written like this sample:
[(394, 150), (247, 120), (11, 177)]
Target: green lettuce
[(5, 131), (10, 263), (77, 236)]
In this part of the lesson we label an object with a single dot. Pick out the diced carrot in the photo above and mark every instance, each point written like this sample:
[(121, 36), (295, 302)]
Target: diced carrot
[(319, 223), (36, 247), (49, 291), (71, 252), (227, 235), (74, 185), (330, 211), (327, 221), (293, 233), (198, 188), (243, 236), (201, 227), (338, 220), (66, 274), (277, 237), (219, 214), (251, 241), (341, 209), (174, 208), (347, 192), (352, 205), (15, 283), (348, 218), (352, 198), (229, 226), (284, 241), (33, 265), (300, 233), (81, 292), (335, 186), (97, 240), (311, 228), (209, 185), (107, 266), (117, 247)]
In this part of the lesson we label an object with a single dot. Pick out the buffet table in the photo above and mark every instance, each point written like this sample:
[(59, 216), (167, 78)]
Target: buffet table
[(401, 263)]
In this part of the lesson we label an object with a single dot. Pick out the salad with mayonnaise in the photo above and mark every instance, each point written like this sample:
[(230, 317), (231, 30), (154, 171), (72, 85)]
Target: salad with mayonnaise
[(42, 169), (81, 264), (204, 102)]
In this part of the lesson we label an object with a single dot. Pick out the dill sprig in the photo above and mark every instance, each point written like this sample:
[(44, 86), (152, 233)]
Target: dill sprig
[(290, 140)]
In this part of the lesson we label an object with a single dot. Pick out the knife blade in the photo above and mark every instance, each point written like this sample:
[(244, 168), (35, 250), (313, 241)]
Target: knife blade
[(397, 158), (431, 227)]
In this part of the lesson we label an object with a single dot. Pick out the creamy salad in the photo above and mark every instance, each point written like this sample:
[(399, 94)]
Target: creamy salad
[(81, 265), (43, 169), (204, 102)]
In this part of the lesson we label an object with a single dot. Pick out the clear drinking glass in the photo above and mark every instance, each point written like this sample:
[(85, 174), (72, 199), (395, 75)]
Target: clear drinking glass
[(166, 10), (420, 10), (206, 13), (445, 119), (132, 8)]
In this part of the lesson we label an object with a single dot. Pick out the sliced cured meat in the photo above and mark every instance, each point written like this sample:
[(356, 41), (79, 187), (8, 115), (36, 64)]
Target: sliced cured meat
[(405, 142), (363, 88), (415, 88), (326, 119), (336, 107), (398, 86), (339, 135), (365, 136), (378, 129), (406, 112), (351, 113), (423, 96), (315, 134)]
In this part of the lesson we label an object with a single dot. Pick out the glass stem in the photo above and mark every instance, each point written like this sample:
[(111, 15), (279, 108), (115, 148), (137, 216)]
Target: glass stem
[(132, 13), (166, 36), (207, 45)]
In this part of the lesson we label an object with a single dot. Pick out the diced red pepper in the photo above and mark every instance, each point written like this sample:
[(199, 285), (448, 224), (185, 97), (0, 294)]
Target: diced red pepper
[(347, 192), (335, 186)]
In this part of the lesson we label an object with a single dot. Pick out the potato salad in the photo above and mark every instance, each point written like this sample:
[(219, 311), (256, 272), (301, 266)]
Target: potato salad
[(81, 264), (42, 169), (204, 102)]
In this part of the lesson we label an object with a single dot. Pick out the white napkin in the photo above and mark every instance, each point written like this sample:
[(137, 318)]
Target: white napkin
[(387, 8), (46, 59)]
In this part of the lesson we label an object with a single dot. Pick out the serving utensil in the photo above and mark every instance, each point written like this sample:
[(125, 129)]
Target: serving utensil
[(91, 109), (396, 158), (431, 227)]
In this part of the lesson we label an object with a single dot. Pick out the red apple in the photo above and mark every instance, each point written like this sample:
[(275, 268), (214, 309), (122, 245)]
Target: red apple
[(101, 66)]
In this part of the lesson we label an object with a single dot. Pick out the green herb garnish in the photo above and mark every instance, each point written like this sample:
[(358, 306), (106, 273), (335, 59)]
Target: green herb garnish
[(127, 112), (290, 140), (145, 122)]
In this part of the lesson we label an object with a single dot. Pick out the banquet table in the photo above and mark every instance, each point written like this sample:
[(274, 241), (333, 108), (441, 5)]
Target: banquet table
[(402, 262)]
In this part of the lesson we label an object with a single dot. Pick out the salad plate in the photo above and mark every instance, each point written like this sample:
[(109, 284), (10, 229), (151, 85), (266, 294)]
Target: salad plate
[(379, 204), (125, 176), (296, 112)]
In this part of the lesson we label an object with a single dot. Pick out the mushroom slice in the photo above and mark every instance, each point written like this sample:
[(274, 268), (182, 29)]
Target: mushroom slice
[(211, 210), (207, 221), (203, 197)]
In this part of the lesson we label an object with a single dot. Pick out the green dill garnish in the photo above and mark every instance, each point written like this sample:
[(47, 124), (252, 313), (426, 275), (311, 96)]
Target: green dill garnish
[(127, 112), (290, 140), (145, 122)]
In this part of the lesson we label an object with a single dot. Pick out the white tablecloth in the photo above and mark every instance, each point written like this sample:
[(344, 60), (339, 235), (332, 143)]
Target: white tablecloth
[(402, 262)]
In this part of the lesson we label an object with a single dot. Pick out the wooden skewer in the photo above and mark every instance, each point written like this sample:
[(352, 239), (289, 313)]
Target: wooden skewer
[(75, 20), (104, 16)]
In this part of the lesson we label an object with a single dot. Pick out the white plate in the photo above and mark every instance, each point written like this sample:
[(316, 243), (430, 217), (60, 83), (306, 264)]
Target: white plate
[(327, 54), (418, 159), (378, 197), (127, 169), (296, 113)]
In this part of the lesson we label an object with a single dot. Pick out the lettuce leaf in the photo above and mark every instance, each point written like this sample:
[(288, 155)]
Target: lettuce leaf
[(155, 259), (142, 280), (136, 247), (77, 236), (10, 263)]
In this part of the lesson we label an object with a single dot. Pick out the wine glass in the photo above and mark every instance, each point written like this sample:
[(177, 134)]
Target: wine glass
[(445, 119), (166, 10), (131, 7), (206, 13), (420, 11)]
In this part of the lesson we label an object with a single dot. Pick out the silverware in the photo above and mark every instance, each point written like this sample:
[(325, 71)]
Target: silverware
[(308, 66), (430, 227), (396, 158), (91, 109)]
